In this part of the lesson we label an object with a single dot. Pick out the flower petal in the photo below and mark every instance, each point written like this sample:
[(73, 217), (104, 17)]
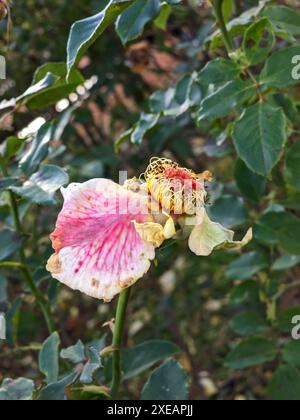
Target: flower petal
[(208, 236), (155, 233), (98, 250)]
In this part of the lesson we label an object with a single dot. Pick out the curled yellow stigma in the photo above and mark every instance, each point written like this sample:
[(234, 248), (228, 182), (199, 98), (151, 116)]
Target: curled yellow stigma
[(178, 190)]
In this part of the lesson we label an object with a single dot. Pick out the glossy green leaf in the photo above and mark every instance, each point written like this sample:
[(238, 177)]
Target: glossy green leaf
[(5, 183), (251, 352), (291, 353), (10, 242), (169, 382), (225, 99), (131, 23), (258, 41), (285, 319), (41, 186), (145, 123), (219, 71), (292, 166), (10, 147), (286, 262), (284, 18), (280, 70), (250, 184), (280, 228), (48, 358), (248, 323), (247, 266), (259, 137), (285, 384), (38, 149), (85, 32), (143, 356), (229, 211)]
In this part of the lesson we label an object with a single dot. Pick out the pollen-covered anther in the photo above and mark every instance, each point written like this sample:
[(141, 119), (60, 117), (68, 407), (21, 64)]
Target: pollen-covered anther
[(178, 190)]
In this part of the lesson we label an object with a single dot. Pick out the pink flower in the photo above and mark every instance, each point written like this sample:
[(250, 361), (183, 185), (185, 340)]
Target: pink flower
[(106, 234)]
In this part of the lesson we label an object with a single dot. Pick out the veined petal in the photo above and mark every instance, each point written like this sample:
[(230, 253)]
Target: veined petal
[(208, 236), (97, 248)]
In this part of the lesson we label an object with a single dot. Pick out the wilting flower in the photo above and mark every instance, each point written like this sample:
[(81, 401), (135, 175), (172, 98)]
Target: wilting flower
[(106, 234)]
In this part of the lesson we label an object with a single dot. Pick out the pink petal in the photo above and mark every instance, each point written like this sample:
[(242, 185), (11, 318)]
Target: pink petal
[(98, 250)]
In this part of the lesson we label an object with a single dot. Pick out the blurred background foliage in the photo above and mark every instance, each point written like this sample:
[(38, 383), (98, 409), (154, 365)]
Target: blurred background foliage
[(206, 307)]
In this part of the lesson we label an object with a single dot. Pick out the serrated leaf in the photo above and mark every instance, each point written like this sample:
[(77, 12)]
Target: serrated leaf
[(219, 71), (248, 323), (292, 167), (229, 211), (259, 137), (285, 384), (131, 23), (251, 352), (258, 41), (169, 382), (280, 228), (278, 71), (247, 266), (223, 101), (251, 185)]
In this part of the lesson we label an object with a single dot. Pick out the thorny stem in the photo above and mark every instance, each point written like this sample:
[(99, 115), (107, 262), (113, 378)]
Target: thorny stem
[(217, 5), (22, 266), (117, 341)]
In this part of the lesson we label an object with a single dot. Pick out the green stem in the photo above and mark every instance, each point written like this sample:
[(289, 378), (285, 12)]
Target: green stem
[(217, 5), (22, 266), (117, 341)]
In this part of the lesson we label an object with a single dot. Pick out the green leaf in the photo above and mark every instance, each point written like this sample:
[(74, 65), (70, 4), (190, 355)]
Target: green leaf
[(280, 228), (3, 289), (286, 262), (85, 32), (251, 352), (143, 356), (292, 167), (169, 382), (247, 266), (251, 185), (291, 353), (48, 80), (145, 123), (284, 18), (284, 321), (259, 137), (247, 291), (10, 242), (130, 25), (48, 358), (56, 390), (229, 211), (38, 149), (219, 71), (285, 384), (41, 186), (10, 147), (92, 365), (177, 99), (248, 323), (162, 19), (5, 183), (75, 354), (225, 99), (279, 69), (16, 390), (258, 41)]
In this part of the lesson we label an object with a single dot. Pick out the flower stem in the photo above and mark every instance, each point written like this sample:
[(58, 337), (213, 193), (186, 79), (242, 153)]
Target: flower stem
[(117, 341), (217, 5), (23, 266)]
